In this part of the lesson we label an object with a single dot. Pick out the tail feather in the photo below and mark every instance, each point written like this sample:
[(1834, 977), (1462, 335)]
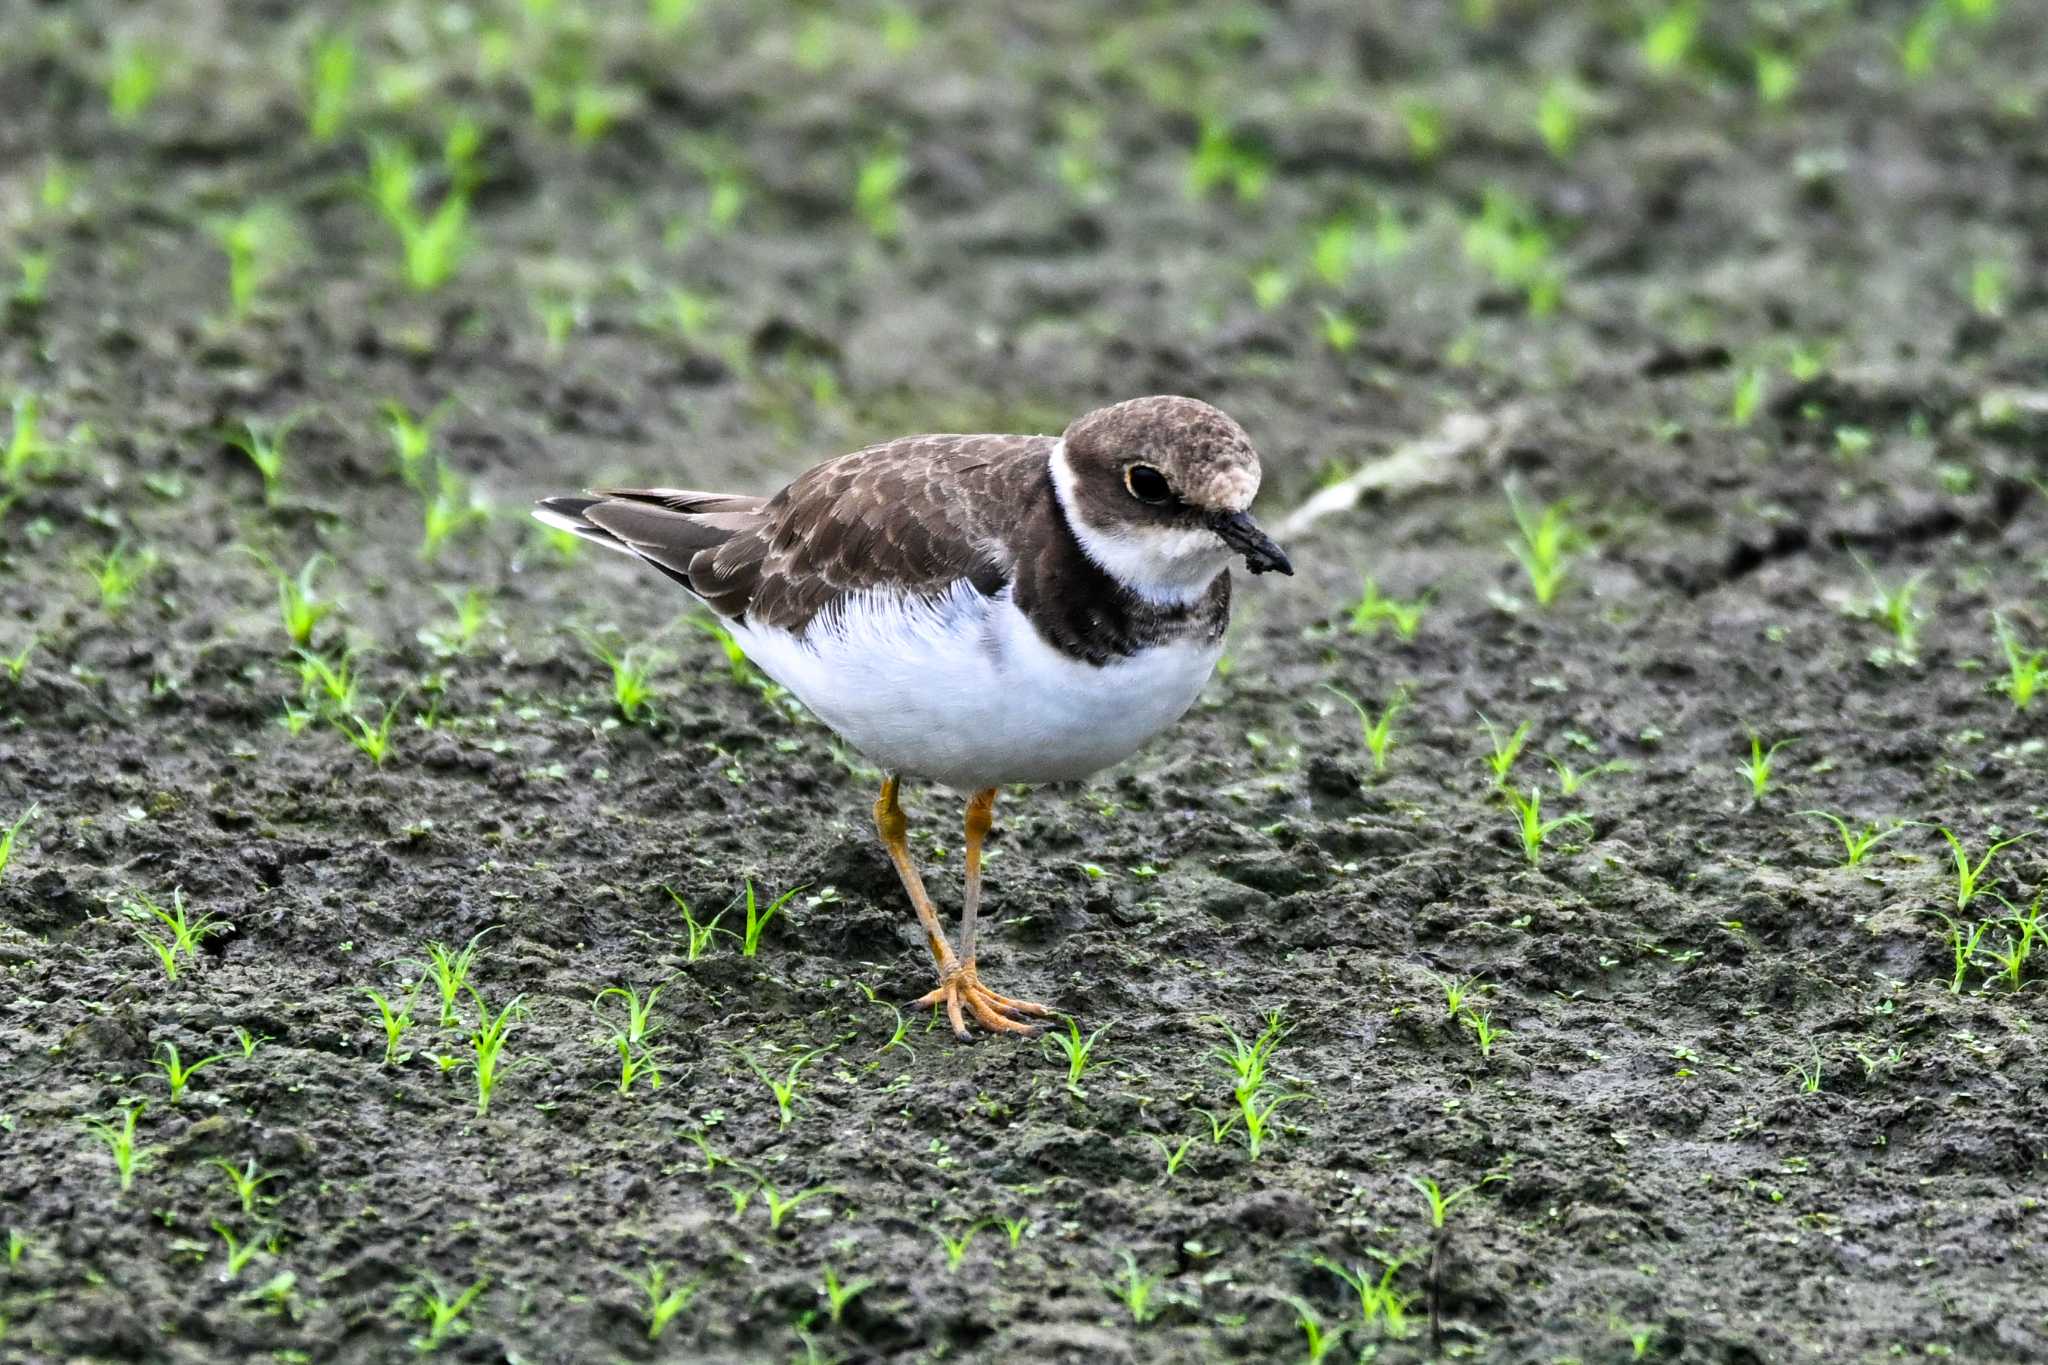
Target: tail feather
[(666, 527)]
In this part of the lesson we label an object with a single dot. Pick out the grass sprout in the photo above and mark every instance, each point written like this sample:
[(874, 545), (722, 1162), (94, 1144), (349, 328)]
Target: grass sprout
[(13, 832), (1079, 1053), (1441, 1204), (629, 1036), (664, 1300), (118, 573), (452, 508), (120, 1143), (185, 934), (1969, 877), (1134, 1290), (256, 242), (432, 244), (700, 932), (1758, 768), (25, 444), (1894, 608), (839, 1293), (396, 1021), (487, 1045), (1544, 542), (1857, 843), (1504, 753), (449, 969), (1378, 1300), (632, 671), (264, 445), (1570, 779), (1532, 828), (372, 738), (247, 1180), (412, 440), (2023, 667), (1377, 731), (441, 1314), (785, 1087), (330, 83), (1963, 942), (178, 1075), (757, 919)]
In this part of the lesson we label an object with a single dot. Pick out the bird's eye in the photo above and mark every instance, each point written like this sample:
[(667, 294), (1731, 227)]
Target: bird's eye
[(1146, 483)]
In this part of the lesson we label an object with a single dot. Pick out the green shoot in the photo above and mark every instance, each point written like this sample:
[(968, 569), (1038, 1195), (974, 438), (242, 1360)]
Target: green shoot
[(239, 1253), (1758, 768), (1570, 779), (176, 1074), (1134, 1290), (1894, 608), (1014, 1229), (17, 664), (877, 184), (750, 941), (1378, 732), (1321, 1341), (264, 445), (487, 1045), (25, 444), (329, 84), (1455, 992), (1750, 388), (472, 613), (250, 1041), (780, 1208), (298, 603), (1504, 754), (1509, 242), (1809, 1073), (1223, 159), (786, 1087), (1440, 1204), (2019, 940), (247, 1182), (699, 933), (334, 683), (1172, 1156), (2024, 667), (450, 971), (663, 1302), (1256, 1110), (119, 573), (1483, 1031), (396, 1021), (1378, 1300), (629, 1037), (1558, 115), (373, 739), (454, 508), (1963, 941), (186, 933), (432, 245), (442, 1316), (1079, 1053), (956, 1247), (838, 1294), (1543, 546), (120, 1142), (256, 244), (1967, 876), (13, 831), (133, 82), (1669, 35), (412, 440), (1371, 611), (632, 669), (1857, 843)]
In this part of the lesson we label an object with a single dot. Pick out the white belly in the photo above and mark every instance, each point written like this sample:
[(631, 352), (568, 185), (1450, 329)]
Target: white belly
[(965, 692)]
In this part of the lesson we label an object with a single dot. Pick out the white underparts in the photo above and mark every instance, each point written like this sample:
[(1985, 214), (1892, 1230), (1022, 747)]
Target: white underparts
[(1165, 567)]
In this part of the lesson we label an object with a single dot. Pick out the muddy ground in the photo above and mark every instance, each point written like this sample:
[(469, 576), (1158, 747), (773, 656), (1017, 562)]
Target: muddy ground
[(1756, 290)]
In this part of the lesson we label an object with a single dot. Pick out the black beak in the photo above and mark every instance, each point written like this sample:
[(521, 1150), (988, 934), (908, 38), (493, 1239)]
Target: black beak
[(1243, 535)]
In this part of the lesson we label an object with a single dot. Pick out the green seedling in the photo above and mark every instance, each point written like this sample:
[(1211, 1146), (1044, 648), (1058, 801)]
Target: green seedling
[(250, 1041), (956, 1247), (1530, 825), (1247, 1062), (1668, 37), (1558, 115), (1857, 843), (396, 1021), (119, 573), (1483, 1031), (1504, 754), (1751, 386), (1256, 1112), (331, 79), (630, 1037), (785, 1087), (25, 444), (780, 1208), (877, 185), (2023, 667), (265, 447), (1079, 1053), (487, 1045), (472, 612), (1321, 1340), (453, 508), (1963, 942), (442, 1315), (2019, 940), (133, 81), (13, 832), (1378, 1300), (176, 1074), (17, 1246), (1224, 160), (1509, 242), (450, 971), (334, 683), (1809, 1073), (1423, 122), (1371, 611), (632, 670), (1968, 877), (1377, 731), (757, 920), (663, 1300), (373, 738), (700, 933), (1894, 607), (431, 244), (838, 1294), (412, 440), (1543, 545), (185, 933), (1173, 1156), (1456, 992), (248, 1182), (34, 281), (239, 1253), (256, 244), (1014, 1229), (1440, 1204), (1570, 779), (120, 1142), (1776, 75), (1134, 1290), (299, 605), (1758, 768), (16, 664)]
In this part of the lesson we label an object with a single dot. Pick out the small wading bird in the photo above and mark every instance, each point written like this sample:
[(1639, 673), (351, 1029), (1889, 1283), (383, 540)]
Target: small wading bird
[(975, 610)]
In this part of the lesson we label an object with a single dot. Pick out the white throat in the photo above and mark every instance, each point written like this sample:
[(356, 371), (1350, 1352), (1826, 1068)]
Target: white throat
[(1167, 567)]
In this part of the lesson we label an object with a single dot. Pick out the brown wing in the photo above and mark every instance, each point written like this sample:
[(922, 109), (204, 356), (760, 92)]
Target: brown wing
[(916, 515)]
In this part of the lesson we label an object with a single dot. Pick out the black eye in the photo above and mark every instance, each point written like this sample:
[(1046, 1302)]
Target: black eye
[(1146, 483)]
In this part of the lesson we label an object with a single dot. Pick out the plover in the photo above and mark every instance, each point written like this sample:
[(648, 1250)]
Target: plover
[(975, 611)]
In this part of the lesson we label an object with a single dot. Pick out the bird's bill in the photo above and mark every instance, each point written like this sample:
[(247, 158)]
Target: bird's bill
[(1243, 535)]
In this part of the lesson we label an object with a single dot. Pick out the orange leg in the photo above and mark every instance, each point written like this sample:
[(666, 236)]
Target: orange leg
[(961, 986)]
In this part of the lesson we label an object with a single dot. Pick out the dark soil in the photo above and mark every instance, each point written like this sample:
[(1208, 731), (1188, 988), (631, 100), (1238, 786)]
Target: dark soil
[(1743, 1108)]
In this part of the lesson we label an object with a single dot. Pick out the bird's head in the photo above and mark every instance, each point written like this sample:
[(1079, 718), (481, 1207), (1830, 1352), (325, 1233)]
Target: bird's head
[(1157, 491)]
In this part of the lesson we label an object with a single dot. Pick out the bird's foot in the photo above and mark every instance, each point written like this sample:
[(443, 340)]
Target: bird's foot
[(961, 990)]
